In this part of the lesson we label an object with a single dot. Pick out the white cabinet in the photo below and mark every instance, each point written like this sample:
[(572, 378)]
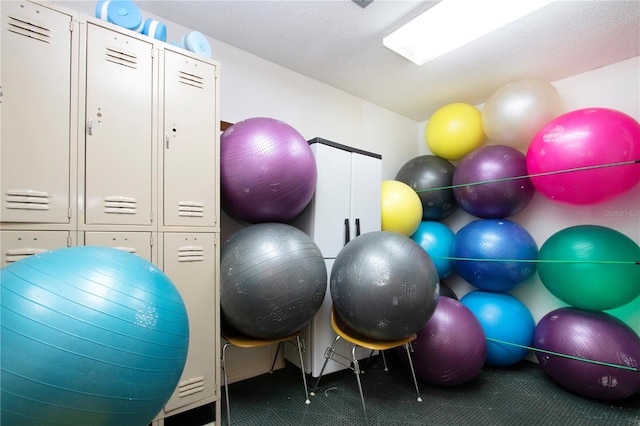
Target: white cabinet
[(37, 141), (347, 203)]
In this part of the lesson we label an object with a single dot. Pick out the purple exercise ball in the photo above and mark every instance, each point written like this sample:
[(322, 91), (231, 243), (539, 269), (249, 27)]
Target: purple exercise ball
[(594, 336), (450, 348), (505, 192), (267, 171)]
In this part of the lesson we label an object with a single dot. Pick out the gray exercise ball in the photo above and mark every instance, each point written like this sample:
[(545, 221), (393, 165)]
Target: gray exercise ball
[(273, 280), (384, 285)]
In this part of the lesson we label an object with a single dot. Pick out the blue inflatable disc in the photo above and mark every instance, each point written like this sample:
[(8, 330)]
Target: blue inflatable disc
[(122, 13), (155, 29), (197, 43)]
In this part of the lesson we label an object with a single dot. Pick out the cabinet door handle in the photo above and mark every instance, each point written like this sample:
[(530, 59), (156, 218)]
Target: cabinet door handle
[(347, 234), (357, 226), (90, 126)]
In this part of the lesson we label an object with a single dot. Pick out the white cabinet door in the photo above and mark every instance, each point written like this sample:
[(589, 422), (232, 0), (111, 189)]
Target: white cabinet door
[(189, 260), (16, 245), (366, 193), (35, 111), (119, 137), (190, 134)]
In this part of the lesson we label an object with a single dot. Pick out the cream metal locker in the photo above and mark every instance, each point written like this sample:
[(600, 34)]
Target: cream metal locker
[(140, 243), (118, 130), (190, 260), (37, 144), (189, 146), (18, 244)]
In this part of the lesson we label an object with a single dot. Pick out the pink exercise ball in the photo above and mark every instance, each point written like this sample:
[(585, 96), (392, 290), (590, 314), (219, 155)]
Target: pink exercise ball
[(517, 111), (594, 141)]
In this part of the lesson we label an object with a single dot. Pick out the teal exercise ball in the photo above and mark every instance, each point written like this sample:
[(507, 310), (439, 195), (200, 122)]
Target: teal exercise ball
[(590, 267), (437, 240), (90, 336)]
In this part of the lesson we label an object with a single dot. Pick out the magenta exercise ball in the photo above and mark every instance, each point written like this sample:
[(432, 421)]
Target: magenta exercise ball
[(576, 157), (492, 182), (450, 348), (267, 171), (590, 353)]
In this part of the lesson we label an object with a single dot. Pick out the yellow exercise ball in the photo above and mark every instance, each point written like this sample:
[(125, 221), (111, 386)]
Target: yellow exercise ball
[(401, 208), (454, 131)]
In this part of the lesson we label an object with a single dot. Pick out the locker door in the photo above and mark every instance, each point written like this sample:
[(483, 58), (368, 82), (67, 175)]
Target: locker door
[(36, 113), (17, 245), (189, 260), (132, 242), (190, 129), (118, 137)]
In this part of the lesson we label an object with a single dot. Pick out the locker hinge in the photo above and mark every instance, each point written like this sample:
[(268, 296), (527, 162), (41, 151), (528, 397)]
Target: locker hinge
[(151, 217), (217, 73), (69, 241), (151, 240), (70, 26), (69, 213)]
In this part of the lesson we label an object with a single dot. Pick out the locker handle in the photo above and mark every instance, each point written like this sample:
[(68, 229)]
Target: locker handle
[(347, 234), (90, 126), (357, 226)]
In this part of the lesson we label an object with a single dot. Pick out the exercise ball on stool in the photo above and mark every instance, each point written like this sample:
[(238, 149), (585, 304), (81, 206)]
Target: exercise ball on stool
[(273, 280), (494, 254), (573, 158), (507, 324), (267, 171), (90, 336), (590, 267), (384, 285), (589, 336), (492, 182), (450, 348), (430, 176)]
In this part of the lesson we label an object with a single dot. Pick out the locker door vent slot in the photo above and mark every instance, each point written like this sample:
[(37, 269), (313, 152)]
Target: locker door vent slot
[(121, 57), (190, 386), (191, 79), (14, 255), (29, 29), (27, 199), (190, 209), (190, 254), (120, 205)]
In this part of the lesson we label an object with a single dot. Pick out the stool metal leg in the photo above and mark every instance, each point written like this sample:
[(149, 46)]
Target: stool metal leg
[(226, 384), (327, 355), (356, 369), (413, 373), (304, 377)]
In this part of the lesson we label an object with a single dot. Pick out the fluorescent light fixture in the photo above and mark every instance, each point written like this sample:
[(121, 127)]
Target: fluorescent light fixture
[(453, 23)]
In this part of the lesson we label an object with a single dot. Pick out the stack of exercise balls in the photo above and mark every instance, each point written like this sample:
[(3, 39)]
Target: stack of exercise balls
[(273, 276), (582, 157)]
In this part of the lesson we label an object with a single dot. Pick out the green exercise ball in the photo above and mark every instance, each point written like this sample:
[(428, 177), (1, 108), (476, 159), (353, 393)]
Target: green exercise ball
[(590, 267)]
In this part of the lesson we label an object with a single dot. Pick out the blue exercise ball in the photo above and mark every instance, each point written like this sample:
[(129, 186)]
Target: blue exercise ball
[(436, 239), (507, 323), (384, 285), (90, 336), (273, 280), (494, 254)]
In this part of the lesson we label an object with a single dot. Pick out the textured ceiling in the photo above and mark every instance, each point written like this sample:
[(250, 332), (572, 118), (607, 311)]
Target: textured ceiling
[(340, 43)]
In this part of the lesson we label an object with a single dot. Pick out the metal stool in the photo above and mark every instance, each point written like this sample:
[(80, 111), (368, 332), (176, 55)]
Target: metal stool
[(235, 338), (356, 339)]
